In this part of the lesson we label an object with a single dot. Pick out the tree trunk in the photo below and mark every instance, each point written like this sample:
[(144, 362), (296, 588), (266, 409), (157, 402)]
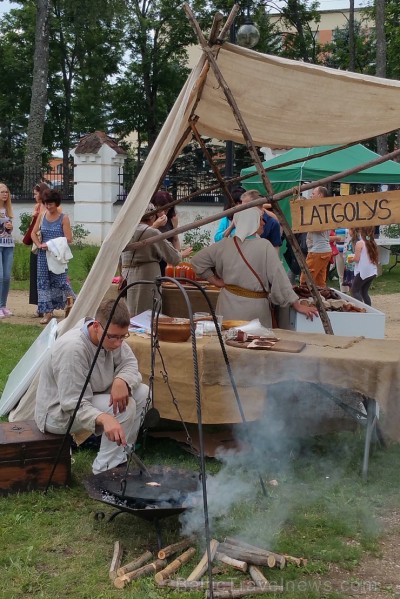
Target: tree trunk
[(382, 144), (352, 45), (37, 112)]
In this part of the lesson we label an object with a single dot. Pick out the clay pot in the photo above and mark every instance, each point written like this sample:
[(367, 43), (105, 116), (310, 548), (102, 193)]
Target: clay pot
[(176, 330)]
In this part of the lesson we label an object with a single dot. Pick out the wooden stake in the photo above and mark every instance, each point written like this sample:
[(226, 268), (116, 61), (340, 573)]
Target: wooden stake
[(257, 577), (139, 561), (171, 549), (116, 560), (121, 581), (230, 561), (202, 566), (175, 565)]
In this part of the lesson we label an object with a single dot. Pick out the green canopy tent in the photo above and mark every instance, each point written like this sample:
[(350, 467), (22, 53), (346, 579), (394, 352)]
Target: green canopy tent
[(324, 166)]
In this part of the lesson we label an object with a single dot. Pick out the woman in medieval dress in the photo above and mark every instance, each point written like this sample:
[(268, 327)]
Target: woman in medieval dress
[(249, 273)]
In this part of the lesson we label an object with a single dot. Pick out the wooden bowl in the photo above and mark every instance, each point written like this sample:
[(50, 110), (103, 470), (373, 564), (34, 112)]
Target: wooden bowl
[(176, 330), (230, 324)]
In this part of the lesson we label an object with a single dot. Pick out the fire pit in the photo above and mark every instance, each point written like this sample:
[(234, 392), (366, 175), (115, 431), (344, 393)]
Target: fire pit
[(164, 492)]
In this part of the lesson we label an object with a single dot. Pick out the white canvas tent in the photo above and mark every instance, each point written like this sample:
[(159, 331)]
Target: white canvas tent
[(283, 102)]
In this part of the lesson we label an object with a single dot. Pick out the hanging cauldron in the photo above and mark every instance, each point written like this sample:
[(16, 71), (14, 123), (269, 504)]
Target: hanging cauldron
[(163, 492)]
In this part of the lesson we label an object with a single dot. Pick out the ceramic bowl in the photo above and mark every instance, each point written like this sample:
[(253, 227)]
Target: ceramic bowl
[(176, 330)]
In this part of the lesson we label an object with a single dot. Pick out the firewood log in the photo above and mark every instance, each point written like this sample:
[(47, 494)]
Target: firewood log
[(121, 581), (250, 557), (258, 577), (236, 593), (137, 563), (280, 559), (194, 585), (175, 565), (297, 561), (202, 566), (171, 549), (116, 560), (230, 561)]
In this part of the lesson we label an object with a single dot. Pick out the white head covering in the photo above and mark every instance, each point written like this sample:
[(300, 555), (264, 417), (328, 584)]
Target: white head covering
[(247, 222)]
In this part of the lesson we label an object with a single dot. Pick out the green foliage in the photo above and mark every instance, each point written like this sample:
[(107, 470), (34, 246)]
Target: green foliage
[(20, 267), (79, 234), (336, 53), (25, 221), (197, 238), (392, 231), (19, 339), (89, 257)]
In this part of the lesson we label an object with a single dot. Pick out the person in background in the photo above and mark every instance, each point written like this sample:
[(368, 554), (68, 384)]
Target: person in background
[(144, 263), (271, 230), (319, 249), (225, 224), (53, 289), (249, 273), (340, 238), (165, 221), (366, 265), (6, 248), (115, 397), (39, 192)]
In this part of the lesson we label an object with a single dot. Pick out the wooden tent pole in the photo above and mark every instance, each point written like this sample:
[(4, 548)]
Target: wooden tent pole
[(276, 197), (214, 167), (287, 192), (257, 161)]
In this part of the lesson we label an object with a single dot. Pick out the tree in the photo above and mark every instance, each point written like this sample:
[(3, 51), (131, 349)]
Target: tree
[(86, 51), (300, 39), (337, 53), (382, 143), (158, 35), (37, 111)]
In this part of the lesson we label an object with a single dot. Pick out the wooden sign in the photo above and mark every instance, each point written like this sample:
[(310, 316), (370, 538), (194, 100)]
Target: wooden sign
[(360, 210)]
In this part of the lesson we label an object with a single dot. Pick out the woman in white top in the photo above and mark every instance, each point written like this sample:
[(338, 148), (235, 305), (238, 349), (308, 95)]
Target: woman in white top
[(366, 265)]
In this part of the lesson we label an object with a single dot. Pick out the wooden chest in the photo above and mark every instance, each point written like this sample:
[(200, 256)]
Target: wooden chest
[(27, 457)]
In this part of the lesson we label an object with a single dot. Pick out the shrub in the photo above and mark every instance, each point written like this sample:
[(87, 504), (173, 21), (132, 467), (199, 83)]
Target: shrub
[(25, 221), (20, 268), (197, 238), (89, 257), (79, 234)]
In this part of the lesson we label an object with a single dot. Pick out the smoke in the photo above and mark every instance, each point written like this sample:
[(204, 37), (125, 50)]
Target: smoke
[(269, 448)]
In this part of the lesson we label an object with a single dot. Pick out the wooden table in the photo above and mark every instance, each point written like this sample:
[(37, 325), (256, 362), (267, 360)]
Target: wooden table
[(366, 366)]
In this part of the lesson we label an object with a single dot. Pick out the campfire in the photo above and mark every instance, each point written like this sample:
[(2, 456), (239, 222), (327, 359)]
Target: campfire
[(232, 552)]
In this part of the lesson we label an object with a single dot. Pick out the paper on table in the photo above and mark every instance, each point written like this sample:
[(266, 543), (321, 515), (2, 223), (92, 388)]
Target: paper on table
[(254, 327), (142, 321)]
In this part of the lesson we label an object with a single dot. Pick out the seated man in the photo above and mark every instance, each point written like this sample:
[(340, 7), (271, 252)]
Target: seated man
[(115, 398)]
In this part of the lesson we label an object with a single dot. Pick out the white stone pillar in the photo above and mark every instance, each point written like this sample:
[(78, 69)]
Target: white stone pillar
[(97, 161)]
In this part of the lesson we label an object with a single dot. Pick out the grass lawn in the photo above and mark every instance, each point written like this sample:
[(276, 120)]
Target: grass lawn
[(51, 546)]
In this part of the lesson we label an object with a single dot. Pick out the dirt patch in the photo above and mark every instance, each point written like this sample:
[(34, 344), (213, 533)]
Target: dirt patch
[(377, 577)]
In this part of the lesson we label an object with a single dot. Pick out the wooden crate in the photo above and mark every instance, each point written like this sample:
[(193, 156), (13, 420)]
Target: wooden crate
[(27, 457)]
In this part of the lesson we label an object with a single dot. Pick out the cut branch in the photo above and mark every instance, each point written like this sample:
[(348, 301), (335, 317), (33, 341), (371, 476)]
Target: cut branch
[(202, 566), (175, 565), (116, 560), (135, 564)]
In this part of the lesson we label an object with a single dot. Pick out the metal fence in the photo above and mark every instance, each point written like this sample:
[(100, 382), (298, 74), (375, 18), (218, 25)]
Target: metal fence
[(181, 180), (21, 181)]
